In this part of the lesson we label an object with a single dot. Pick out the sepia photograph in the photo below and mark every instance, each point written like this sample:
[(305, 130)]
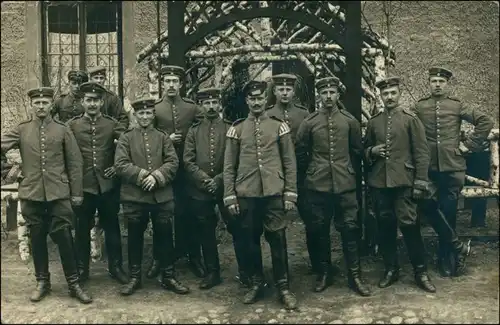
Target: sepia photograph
[(250, 162)]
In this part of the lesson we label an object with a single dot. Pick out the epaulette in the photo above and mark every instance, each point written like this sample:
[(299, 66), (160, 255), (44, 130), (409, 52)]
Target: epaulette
[(312, 115), (110, 117), (129, 129), (188, 100), (26, 121), (276, 118), (346, 113), (238, 121), (409, 112), (75, 117), (454, 98), (59, 122), (196, 122), (269, 107), (376, 114), (424, 98), (159, 100), (225, 120), (161, 131), (301, 107)]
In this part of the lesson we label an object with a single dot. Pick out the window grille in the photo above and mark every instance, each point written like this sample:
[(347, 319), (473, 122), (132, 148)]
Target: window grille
[(81, 35)]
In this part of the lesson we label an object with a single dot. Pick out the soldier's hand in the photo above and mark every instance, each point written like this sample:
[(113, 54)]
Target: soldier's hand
[(463, 149), (76, 200), (379, 151), (176, 137), (110, 172), (210, 185), (148, 183), (419, 194), (234, 209), (289, 205)]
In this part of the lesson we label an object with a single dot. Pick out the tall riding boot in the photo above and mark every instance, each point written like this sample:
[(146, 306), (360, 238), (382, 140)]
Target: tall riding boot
[(39, 250), (279, 257), (312, 249), (169, 282), (154, 267), (350, 248), (240, 247), (194, 253), (82, 241), (324, 278), (256, 271), (389, 250), (113, 243), (135, 245), (416, 252), (460, 251), (210, 255), (444, 259), (64, 240)]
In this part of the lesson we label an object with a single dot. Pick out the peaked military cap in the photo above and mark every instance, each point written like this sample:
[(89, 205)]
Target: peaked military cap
[(143, 103), (78, 75), (41, 92), (440, 72), (284, 79), (208, 93), (388, 82), (92, 87), (254, 88), (99, 70), (327, 82), (172, 70)]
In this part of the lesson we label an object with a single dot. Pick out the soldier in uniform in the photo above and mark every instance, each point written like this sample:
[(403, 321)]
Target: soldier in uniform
[(204, 161), (95, 134), (69, 105), (52, 181), (442, 115), (260, 184), (397, 159), (288, 110), (174, 115), (329, 145), (146, 161)]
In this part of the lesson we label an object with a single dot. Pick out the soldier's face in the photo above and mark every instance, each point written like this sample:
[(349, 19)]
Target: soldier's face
[(211, 106), (390, 96), (74, 85), (171, 85), (284, 94), (92, 103), (41, 106), (329, 96), (439, 85), (145, 117), (256, 103), (99, 78)]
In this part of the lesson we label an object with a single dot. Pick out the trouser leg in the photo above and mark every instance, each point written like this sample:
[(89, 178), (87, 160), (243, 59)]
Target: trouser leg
[(84, 223)]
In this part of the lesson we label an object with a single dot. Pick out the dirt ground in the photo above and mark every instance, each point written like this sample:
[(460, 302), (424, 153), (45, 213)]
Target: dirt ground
[(472, 298)]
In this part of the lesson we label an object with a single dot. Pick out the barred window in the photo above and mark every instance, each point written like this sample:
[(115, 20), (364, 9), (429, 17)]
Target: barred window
[(81, 35)]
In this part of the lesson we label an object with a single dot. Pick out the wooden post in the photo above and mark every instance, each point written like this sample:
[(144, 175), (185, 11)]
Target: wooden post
[(176, 49)]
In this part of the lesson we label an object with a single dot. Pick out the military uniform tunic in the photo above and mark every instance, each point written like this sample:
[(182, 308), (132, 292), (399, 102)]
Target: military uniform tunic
[(141, 152), (293, 115), (113, 107), (67, 106)]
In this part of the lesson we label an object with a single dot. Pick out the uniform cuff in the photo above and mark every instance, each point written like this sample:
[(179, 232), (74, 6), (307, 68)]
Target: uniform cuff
[(159, 177), (143, 173), (290, 196), (230, 200), (421, 185)]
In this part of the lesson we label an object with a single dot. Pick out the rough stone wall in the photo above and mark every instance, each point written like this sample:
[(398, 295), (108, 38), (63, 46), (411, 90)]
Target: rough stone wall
[(460, 35), (14, 71)]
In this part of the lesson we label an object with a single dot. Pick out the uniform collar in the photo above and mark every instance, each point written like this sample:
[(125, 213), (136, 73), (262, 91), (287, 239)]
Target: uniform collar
[(43, 122), (395, 110), (172, 100), (261, 117), (281, 107), (146, 129), (215, 118), (329, 112), (91, 118)]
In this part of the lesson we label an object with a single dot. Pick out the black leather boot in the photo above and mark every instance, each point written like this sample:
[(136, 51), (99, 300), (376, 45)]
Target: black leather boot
[(256, 290), (135, 243), (350, 248), (210, 254), (324, 277), (64, 240), (169, 282), (423, 280), (82, 242), (113, 244), (286, 297), (389, 252), (154, 266), (39, 251), (443, 260), (196, 266), (461, 252)]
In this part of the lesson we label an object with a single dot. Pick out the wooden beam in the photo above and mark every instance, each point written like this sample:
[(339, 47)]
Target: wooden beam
[(176, 49)]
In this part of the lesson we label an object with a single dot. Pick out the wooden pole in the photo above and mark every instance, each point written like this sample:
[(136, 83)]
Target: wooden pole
[(158, 36), (176, 34)]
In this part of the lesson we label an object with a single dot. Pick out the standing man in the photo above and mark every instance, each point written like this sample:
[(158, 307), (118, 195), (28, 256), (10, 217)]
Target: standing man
[(260, 184), (204, 161), (329, 145), (397, 161), (69, 105), (442, 117), (95, 134), (52, 182), (287, 110), (145, 159), (174, 115)]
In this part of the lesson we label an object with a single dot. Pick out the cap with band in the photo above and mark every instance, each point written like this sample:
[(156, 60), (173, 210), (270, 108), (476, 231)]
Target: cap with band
[(440, 72), (99, 70), (284, 79), (143, 103), (41, 92), (208, 93), (388, 82), (254, 88)]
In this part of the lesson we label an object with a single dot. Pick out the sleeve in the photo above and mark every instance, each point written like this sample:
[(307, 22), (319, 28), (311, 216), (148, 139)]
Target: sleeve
[(289, 163), (356, 143), (369, 144), (56, 107), (120, 113), (302, 146), (482, 127), (124, 167), (420, 153), (166, 173), (10, 140), (74, 163), (118, 130), (231, 161), (189, 158)]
